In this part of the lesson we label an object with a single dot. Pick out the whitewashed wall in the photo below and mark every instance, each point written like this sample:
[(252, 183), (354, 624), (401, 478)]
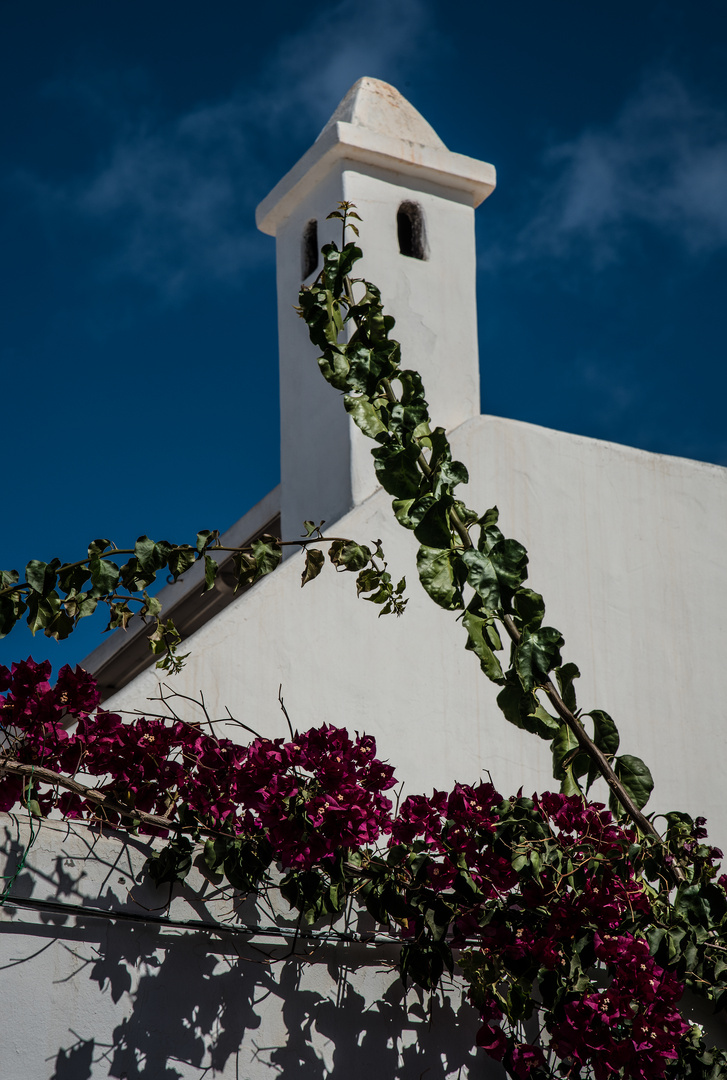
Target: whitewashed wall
[(85, 995), (627, 549)]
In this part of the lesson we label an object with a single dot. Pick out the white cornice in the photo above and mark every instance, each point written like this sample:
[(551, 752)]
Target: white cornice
[(359, 145)]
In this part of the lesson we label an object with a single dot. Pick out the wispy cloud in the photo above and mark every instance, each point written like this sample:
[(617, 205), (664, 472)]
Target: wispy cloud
[(175, 195), (313, 70), (661, 163)]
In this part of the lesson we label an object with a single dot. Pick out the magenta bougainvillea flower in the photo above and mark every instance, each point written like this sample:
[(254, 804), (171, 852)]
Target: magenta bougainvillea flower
[(543, 890)]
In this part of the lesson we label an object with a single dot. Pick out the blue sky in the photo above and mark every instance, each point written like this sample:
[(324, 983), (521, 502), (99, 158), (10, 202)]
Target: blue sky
[(138, 342)]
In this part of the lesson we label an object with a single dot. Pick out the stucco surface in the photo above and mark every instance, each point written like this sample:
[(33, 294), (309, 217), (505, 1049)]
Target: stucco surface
[(85, 995), (625, 547), (325, 461)]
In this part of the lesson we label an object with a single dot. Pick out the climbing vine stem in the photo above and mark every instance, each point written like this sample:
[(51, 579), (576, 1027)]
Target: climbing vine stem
[(414, 463), (55, 596)]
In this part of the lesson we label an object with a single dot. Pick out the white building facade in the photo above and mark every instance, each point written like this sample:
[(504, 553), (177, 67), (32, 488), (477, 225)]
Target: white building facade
[(625, 546)]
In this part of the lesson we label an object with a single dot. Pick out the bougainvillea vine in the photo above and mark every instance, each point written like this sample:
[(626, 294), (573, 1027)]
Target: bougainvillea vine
[(558, 916)]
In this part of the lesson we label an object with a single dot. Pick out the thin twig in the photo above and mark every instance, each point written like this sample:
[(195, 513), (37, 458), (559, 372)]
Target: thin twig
[(285, 711), (93, 795)]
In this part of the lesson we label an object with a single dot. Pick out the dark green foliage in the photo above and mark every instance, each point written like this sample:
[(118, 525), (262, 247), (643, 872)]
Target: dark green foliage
[(414, 464), (173, 862), (54, 597)]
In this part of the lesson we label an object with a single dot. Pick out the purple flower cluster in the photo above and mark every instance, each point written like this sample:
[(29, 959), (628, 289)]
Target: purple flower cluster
[(631, 1029), (609, 891), (459, 828), (317, 794), (34, 717)]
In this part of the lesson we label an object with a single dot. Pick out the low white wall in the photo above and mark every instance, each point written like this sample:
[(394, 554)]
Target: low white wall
[(118, 994)]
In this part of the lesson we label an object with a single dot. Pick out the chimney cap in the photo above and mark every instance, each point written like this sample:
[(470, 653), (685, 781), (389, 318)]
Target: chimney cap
[(375, 126), (379, 107)]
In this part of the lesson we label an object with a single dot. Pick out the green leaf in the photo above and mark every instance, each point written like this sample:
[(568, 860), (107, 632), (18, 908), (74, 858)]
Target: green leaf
[(60, 626), (42, 610), (537, 654), (10, 612), (530, 609), (211, 569), (214, 853), (144, 551), (120, 614), (8, 578), (364, 415), (566, 756), (172, 863), (437, 575), (539, 722), (104, 576), (606, 738), (180, 559), (467, 517), (635, 777), (569, 784), (41, 576), (245, 862), (434, 530), (475, 626), (674, 941), (314, 560), (151, 607), (97, 547), (510, 560), (566, 675), (151, 555), (397, 471), (437, 918), (401, 508), (334, 365), (348, 555), (71, 579), (495, 572), (164, 642), (515, 703), (454, 473), (205, 538), (519, 1002), (605, 732), (267, 553), (245, 568), (482, 576), (369, 579), (489, 518)]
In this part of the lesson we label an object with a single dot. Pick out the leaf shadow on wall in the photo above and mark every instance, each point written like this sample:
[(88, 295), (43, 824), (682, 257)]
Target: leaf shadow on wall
[(172, 1004)]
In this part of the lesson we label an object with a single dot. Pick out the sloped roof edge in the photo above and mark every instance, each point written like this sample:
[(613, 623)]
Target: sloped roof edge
[(125, 653)]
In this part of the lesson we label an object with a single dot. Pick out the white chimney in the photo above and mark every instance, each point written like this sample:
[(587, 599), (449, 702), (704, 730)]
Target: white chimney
[(417, 200)]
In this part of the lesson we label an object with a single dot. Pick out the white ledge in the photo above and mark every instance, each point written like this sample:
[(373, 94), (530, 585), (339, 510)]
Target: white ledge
[(351, 142)]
